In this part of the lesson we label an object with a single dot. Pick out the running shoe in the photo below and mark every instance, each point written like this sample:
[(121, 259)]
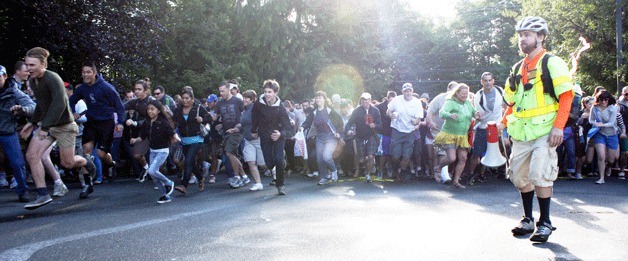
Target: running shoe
[(526, 226), (60, 190), (39, 201), (164, 199), (256, 187)]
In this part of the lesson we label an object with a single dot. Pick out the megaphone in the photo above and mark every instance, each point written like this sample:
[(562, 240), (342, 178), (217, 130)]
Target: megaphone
[(493, 157)]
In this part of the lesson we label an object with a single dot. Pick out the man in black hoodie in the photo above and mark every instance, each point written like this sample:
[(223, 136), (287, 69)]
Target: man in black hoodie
[(272, 125)]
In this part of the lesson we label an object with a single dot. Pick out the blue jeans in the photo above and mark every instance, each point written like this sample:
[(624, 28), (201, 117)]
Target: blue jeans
[(325, 146), (274, 156), (567, 154), (189, 152), (98, 164), (157, 159), (11, 146)]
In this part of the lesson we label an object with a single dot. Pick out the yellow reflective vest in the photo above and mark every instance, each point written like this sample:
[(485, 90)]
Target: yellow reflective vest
[(533, 110)]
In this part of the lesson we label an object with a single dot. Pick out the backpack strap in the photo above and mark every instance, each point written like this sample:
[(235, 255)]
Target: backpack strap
[(501, 92), (515, 78), (482, 99), (546, 77)]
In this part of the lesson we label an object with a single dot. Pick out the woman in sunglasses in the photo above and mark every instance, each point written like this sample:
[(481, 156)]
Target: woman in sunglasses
[(604, 116)]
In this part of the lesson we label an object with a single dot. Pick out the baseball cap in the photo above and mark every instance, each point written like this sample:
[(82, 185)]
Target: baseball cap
[(406, 86), (365, 95), (336, 98), (3, 71), (212, 98)]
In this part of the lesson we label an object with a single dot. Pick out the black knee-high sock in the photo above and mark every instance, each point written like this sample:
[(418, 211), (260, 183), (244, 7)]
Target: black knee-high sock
[(544, 206), (527, 198), (88, 179)]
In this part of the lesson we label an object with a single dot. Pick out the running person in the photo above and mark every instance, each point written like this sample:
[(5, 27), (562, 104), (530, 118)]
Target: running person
[(367, 120), (158, 131), (55, 121), (102, 102)]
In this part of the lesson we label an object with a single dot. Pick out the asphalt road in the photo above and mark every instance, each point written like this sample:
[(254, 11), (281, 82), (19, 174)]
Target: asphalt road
[(348, 220)]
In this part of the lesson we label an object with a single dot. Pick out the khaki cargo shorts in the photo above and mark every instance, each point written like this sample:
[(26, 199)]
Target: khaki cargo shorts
[(533, 162), (65, 135)]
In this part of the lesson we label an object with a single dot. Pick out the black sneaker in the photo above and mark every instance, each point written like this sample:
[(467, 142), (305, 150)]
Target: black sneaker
[(525, 226), (111, 175), (143, 175), (39, 201), (87, 189), (281, 190), (164, 199), (543, 231)]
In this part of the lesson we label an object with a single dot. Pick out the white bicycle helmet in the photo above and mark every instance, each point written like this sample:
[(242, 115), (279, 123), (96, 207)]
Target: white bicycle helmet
[(534, 24)]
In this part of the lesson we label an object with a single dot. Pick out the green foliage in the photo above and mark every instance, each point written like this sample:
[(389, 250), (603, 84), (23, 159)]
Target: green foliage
[(339, 46), (595, 21)]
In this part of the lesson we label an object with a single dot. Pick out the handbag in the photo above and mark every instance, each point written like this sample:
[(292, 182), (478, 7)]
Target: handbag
[(341, 142), (204, 128)]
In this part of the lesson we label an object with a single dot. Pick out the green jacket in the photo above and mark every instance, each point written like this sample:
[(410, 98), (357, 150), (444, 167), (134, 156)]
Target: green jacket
[(465, 112)]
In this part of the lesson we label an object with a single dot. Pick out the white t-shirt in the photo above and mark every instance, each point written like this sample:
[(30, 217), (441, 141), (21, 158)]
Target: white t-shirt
[(407, 111)]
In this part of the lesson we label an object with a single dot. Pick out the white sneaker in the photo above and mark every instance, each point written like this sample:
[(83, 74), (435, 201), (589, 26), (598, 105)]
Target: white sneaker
[(313, 174), (444, 174), (193, 180), (621, 175), (256, 187), (4, 183), (60, 190), (579, 176), (334, 176)]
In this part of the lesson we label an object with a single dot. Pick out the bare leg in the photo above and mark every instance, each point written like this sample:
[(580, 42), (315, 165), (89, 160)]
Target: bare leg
[(462, 159), (36, 148), (254, 171)]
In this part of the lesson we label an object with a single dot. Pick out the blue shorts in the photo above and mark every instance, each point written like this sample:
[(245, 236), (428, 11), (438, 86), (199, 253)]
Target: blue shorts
[(384, 146), (611, 142), (479, 143)]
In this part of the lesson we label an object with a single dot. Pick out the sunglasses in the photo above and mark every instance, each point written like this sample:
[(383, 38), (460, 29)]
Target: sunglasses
[(157, 93), (625, 94)]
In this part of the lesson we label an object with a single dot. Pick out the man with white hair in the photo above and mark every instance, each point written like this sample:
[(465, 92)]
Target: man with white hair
[(405, 112)]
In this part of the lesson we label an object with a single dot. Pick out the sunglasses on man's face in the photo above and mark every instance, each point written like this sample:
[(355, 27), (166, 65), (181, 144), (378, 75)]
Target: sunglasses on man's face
[(625, 94), (157, 93)]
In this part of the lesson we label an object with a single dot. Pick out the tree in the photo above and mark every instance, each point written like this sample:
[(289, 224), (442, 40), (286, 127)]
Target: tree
[(121, 36), (594, 20)]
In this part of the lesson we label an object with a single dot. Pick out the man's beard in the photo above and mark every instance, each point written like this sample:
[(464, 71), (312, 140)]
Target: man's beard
[(527, 48)]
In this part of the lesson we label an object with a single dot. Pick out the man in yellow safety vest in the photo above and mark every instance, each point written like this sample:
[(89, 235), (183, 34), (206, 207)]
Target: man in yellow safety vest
[(537, 113)]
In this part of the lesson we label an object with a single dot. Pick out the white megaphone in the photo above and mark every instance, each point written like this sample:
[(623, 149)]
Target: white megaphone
[(493, 157)]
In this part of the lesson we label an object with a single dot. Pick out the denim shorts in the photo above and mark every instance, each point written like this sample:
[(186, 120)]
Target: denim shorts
[(611, 142)]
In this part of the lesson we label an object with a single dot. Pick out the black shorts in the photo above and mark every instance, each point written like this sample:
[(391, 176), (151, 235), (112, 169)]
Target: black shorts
[(99, 132)]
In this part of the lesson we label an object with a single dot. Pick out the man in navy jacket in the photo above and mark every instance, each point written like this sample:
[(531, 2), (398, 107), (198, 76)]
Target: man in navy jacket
[(102, 101)]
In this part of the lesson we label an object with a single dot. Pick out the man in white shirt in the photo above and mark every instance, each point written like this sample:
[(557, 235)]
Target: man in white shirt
[(490, 102), (405, 112)]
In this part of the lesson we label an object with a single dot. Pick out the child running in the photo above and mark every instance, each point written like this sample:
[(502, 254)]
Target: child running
[(158, 127)]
